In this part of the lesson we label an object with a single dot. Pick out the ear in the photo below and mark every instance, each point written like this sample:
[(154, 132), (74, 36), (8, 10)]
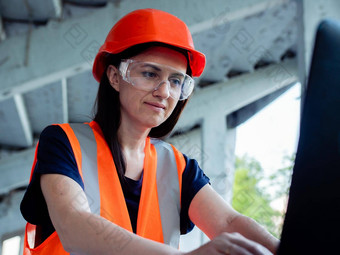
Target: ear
[(113, 76)]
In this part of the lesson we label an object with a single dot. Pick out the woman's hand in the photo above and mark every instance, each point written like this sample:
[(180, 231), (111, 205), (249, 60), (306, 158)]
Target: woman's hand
[(210, 212), (231, 244)]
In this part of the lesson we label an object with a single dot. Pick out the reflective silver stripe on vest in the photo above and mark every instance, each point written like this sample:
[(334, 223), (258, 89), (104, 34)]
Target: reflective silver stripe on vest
[(89, 164), (168, 192)]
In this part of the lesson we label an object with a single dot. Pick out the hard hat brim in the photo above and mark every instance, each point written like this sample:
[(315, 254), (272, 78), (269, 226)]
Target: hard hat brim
[(196, 59)]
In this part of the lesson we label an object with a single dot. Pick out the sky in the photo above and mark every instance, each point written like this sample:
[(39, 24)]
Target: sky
[(11, 246), (273, 132)]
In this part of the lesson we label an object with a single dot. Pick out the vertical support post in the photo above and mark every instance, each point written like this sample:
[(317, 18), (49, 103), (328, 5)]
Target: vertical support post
[(64, 99), (230, 162), (219, 150), (214, 150), (22, 238), (24, 119), (301, 49)]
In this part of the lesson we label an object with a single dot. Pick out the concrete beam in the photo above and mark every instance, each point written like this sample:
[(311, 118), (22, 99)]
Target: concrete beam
[(81, 94), (37, 10), (11, 220), (231, 12), (202, 15), (2, 33), (15, 125), (88, 2), (242, 115), (58, 50), (15, 170), (242, 43), (47, 105), (227, 97)]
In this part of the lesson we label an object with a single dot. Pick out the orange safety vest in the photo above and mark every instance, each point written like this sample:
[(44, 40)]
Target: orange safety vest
[(159, 209)]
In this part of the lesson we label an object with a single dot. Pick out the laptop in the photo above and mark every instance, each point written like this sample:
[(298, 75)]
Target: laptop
[(312, 221)]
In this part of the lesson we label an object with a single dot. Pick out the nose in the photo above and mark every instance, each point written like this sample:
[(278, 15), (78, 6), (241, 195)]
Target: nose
[(162, 90)]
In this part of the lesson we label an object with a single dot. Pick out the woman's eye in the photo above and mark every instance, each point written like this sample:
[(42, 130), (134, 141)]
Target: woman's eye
[(149, 74), (175, 82)]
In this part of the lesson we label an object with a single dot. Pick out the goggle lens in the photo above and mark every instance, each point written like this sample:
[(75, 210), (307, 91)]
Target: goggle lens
[(149, 76)]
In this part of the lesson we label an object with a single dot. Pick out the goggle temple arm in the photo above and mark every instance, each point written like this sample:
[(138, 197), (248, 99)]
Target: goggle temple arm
[(123, 66)]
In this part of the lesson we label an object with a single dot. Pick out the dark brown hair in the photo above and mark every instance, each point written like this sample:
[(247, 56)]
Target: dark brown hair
[(107, 107)]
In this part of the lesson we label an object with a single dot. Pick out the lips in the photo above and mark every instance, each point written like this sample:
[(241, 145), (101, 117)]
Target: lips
[(158, 105)]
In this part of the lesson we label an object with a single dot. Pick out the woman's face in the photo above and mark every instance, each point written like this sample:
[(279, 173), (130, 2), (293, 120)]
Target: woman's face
[(148, 109)]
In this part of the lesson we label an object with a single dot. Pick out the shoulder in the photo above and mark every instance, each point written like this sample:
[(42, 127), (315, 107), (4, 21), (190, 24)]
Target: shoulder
[(58, 134), (162, 144), (54, 146), (168, 149), (53, 138), (158, 143), (193, 174), (52, 132), (55, 154)]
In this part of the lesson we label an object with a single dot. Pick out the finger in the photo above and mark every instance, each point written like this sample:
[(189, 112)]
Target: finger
[(225, 246), (234, 249), (249, 245)]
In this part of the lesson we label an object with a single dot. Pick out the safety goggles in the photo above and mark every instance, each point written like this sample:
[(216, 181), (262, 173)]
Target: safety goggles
[(149, 76)]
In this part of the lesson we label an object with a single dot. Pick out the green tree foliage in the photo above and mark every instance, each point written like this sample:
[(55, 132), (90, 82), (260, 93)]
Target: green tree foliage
[(252, 197), (282, 177)]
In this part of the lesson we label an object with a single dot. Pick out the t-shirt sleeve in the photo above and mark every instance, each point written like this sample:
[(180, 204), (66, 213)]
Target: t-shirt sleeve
[(193, 179), (54, 156)]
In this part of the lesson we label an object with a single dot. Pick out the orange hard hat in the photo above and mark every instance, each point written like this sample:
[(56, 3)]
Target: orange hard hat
[(148, 25)]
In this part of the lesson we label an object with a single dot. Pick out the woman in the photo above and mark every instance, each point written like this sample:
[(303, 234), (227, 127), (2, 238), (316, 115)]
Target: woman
[(94, 185)]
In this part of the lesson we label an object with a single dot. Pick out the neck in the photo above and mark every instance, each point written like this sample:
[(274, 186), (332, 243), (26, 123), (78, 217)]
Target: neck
[(132, 142), (132, 139)]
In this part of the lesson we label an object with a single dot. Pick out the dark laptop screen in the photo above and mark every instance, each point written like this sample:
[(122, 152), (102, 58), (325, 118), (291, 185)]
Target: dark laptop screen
[(312, 223)]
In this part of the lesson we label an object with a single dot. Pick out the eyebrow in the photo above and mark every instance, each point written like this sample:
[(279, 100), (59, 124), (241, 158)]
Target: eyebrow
[(152, 66), (178, 73)]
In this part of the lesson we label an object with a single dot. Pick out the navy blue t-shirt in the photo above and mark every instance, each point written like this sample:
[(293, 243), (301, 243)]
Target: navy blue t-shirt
[(55, 155)]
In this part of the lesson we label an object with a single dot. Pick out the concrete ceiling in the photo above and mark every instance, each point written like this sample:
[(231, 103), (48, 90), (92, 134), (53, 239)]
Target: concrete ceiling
[(48, 46)]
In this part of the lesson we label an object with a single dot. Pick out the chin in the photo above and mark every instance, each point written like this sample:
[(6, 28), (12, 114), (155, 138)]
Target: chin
[(156, 124), (153, 121)]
